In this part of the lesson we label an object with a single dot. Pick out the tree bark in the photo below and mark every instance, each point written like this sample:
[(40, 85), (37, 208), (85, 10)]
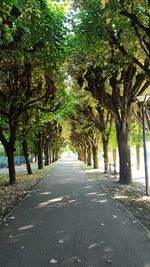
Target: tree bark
[(137, 156), (85, 156), (46, 155), (35, 155), (105, 142), (50, 156), (11, 164), (95, 157), (9, 149), (81, 155), (53, 155), (124, 152), (56, 154), (114, 155), (26, 155), (40, 152), (89, 157)]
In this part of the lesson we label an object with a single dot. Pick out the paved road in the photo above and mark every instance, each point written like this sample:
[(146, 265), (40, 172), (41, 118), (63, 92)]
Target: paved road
[(68, 219)]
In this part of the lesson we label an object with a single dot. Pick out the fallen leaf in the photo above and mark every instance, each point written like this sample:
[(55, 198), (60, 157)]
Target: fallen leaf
[(12, 218), (53, 261), (109, 261), (102, 224), (10, 236), (78, 260), (22, 247), (114, 216), (60, 241)]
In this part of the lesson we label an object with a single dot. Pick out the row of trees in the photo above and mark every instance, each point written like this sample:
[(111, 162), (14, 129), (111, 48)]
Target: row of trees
[(83, 66), (111, 61), (93, 130), (32, 46)]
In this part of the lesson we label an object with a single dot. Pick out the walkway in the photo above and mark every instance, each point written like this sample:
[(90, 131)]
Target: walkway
[(68, 221)]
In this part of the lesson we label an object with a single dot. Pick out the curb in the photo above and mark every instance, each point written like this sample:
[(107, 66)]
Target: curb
[(123, 207)]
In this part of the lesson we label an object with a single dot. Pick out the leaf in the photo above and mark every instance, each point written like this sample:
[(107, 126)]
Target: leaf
[(109, 261), (60, 241), (114, 216), (53, 261), (78, 260), (12, 218)]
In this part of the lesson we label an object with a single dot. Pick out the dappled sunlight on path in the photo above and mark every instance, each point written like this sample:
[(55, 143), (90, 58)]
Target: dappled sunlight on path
[(69, 221)]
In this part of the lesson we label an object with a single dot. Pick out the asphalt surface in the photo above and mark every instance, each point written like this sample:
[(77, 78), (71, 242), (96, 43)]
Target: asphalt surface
[(69, 221)]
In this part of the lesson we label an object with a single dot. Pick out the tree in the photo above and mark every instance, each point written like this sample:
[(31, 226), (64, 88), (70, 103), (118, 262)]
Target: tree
[(123, 24), (31, 45), (114, 80)]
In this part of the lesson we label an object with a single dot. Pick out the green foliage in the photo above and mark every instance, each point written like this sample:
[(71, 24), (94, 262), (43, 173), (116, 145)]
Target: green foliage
[(43, 41), (113, 138), (2, 151), (137, 134), (111, 33)]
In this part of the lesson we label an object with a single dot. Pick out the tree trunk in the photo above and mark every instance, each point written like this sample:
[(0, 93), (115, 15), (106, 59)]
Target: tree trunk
[(9, 149), (46, 155), (114, 155), (89, 157), (35, 155), (105, 142), (11, 164), (40, 152), (95, 157), (50, 156), (53, 155), (56, 154), (137, 156), (81, 155), (85, 156), (124, 152), (26, 155)]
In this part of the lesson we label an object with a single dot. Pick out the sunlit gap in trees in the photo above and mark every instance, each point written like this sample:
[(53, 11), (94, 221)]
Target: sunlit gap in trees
[(68, 153), (64, 3), (68, 83)]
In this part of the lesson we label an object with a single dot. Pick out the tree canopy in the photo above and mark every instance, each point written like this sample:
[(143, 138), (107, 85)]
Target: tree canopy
[(69, 70)]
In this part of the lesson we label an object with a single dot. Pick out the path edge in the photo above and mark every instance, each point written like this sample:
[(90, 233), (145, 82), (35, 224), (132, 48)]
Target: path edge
[(129, 212), (27, 195)]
